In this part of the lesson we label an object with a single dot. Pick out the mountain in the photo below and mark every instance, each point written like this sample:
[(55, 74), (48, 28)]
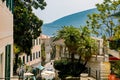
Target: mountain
[(76, 20)]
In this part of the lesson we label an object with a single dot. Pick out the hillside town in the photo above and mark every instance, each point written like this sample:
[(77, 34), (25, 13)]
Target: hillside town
[(85, 53)]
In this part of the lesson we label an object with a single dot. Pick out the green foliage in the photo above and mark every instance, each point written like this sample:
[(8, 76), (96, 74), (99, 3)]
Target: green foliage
[(53, 51), (78, 41), (115, 44), (43, 55), (116, 68), (71, 36), (66, 68), (19, 62), (26, 27), (87, 45), (16, 49), (102, 23), (117, 15), (117, 32), (35, 4)]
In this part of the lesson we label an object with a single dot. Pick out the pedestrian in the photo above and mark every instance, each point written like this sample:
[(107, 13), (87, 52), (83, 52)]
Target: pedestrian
[(21, 73)]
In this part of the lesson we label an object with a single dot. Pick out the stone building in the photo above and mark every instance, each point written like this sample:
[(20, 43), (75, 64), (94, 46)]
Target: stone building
[(34, 59)]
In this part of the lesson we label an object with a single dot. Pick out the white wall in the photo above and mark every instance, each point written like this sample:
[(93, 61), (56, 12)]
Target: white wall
[(6, 35), (35, 49)]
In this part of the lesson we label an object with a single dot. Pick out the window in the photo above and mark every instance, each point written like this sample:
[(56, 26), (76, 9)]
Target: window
[(33, 56), (39, 41), (39, 53), (30, 57), (33, 42), (36, 55), (36, 41), (27, 58), (1, 58), (23, 59)]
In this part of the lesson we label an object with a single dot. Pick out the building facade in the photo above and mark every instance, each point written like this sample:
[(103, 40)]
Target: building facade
[(6, 39), (34, 59), (99, 65), (46, 41)]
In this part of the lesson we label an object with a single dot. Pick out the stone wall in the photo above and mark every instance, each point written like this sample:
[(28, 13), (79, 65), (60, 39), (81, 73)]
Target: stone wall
[(99, 68)]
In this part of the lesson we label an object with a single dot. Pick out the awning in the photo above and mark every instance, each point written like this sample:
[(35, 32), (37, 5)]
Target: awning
[(114, 59), (40, 67)]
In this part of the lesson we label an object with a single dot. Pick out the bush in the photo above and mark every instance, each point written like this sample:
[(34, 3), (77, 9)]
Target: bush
[(68, 68)]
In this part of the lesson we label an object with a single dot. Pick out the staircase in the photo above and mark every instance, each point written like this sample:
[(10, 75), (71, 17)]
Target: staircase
[(114, 53)]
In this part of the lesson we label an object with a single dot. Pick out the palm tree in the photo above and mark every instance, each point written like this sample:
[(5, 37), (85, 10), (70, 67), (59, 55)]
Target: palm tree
[(78, 41), (71, 36)]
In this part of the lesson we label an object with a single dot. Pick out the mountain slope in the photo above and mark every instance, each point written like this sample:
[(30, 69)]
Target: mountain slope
[(76, 20)]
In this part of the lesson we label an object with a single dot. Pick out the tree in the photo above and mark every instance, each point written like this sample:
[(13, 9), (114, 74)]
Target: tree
[(78, 41), (71, 36), (116, 68), (16, 50), (115, 42), (26, 26), (117, 29), (107, 23), (35, 4), (87, 45), (43, 55), (103, 23)]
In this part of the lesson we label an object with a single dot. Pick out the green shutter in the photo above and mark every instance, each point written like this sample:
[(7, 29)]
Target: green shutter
[(12, 5), (7, 61), (9, 4)]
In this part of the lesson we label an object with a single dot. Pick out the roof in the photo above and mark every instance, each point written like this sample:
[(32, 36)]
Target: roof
[(42, 36), (59, 42)]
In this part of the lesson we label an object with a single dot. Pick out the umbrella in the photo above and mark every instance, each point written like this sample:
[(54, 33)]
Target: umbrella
[(28, 74), (48, 74), (40, 67)]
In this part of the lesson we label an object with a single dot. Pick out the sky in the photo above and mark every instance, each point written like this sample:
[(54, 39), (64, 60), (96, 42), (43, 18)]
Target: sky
[(56, 9)]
